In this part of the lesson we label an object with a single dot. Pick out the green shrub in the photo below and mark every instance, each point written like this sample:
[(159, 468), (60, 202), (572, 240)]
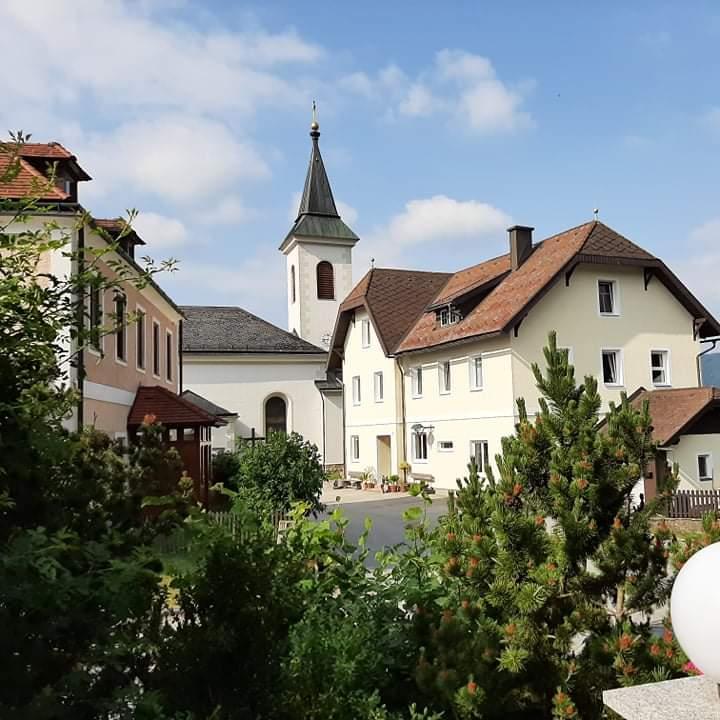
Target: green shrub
[(286, 468)]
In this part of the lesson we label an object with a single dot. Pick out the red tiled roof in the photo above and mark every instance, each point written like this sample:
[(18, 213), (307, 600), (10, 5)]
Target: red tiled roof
[(51, 150), (27, 182), (114, 226), (511, 294), (168, 408), (502, 304), (673, 410), (393, 298)]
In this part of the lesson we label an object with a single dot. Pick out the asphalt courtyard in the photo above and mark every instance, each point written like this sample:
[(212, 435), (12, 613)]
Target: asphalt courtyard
[(388, 528)]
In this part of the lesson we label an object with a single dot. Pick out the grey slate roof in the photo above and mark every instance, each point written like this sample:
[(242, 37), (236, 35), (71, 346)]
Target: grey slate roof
[(204, 404), (317, 197), (213, 329), (317, 214)]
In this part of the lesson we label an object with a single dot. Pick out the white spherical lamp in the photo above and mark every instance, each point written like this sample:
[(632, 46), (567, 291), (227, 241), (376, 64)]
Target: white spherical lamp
[(695, 610)]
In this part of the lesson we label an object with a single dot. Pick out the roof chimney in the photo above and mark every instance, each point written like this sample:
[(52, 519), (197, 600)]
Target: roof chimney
[(520, 244)]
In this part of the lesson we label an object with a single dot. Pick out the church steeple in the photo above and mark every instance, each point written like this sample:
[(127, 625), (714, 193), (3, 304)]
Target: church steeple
[(317, 197), (318, 255)]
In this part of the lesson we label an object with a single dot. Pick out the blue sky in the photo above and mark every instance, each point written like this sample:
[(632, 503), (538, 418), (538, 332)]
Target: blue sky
[(441, 125)]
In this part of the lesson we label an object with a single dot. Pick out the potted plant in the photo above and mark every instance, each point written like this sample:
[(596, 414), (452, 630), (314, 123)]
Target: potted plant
[(368, 478), (393, 482)]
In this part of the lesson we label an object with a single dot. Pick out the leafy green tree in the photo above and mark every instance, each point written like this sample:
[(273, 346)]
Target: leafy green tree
[(286, 468), (79, 593), (549, 572)]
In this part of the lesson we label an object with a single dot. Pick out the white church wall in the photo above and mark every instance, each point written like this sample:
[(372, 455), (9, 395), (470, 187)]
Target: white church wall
[(242, 384), (334, 429)]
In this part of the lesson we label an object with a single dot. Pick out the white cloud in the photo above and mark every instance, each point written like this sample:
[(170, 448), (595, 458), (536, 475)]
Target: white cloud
[(700, 268), (256, 284), (159, 231), (424, 221), (177, 158), (229, 210), (463, 86), (125, 57), (418, 101), (347, 212)]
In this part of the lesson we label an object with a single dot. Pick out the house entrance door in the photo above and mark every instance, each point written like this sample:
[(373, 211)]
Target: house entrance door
[(384, 456)]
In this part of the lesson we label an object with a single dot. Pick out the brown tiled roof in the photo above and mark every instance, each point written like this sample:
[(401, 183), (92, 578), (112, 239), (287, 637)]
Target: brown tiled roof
[(33, 159), (27, 182), (673, 410), (51, 150), (168, 408), (510, 295), (393, 298), (114, 226), (472, 278), (508, 299)]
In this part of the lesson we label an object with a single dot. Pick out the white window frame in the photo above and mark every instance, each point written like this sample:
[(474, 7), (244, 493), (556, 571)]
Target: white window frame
[(98, 350), (446, 446), (365, 333), (379, 384), (354, 448), (448, 316), (155, 324), (445, 377), (140, 310), (123, 328), (169, 372), (615, 290), (666, 367), (484, 455), (356, 390), (708, 466), (620, 369), (472, 364), (416, 377), (416, 445)]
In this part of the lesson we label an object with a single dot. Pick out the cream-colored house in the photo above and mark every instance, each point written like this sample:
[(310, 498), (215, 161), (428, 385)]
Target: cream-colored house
[(143, 353), (454, 351)]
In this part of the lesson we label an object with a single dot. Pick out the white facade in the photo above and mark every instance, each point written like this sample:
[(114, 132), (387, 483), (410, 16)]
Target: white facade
[(309, 316), (243, 384), (687, 453), (373, 418), (478, 409)]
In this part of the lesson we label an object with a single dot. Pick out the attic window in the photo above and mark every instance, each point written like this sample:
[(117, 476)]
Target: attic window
[(449, 316)]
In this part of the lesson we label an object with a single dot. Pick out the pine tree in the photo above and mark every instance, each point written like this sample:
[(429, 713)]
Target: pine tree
[(551, 573)]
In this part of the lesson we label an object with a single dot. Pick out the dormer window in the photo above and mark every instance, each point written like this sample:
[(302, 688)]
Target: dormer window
[(449, 316)]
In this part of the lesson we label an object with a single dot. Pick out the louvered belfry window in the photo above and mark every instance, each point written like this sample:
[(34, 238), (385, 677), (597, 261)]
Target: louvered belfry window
[(325, 281)]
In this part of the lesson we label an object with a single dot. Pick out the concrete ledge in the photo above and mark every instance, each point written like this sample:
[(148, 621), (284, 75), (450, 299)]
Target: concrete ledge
[(691, 698)]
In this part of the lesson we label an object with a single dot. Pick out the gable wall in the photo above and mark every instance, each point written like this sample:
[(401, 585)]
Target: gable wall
[(649, 319), (242, 384)]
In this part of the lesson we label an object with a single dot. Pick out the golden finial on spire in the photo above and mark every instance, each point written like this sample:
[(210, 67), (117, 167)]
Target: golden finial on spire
[(314, 124)]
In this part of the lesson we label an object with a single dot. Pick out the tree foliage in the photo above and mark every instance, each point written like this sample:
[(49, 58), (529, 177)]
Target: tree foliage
[(285, 468)]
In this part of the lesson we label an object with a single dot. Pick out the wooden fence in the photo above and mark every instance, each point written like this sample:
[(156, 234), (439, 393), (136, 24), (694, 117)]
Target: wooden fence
[(693, 503), (179, 541)]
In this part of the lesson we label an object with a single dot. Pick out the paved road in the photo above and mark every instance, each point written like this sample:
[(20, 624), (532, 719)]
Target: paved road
[(387, 516)]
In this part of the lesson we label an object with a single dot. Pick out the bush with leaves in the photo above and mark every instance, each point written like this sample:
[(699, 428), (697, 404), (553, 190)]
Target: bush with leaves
[(286, 468), (79, 594)]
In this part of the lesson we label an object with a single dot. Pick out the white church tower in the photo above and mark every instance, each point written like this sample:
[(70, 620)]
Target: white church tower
[(318, 252)]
